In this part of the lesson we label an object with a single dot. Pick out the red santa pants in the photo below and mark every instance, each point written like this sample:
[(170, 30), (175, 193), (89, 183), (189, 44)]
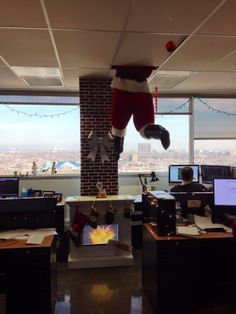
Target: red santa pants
[(124, 104)]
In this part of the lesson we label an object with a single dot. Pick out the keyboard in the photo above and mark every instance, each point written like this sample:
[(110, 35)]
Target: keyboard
[(214, 229)]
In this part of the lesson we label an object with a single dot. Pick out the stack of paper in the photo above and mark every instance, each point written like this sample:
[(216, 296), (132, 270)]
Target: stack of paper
[(205, 223), (188, 231)]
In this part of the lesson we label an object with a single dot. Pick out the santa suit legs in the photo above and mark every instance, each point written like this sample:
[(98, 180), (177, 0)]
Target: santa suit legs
[(131, 96), (124, 105)]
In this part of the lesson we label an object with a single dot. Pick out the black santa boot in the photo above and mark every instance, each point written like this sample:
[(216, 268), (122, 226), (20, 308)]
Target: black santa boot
[(157, 131), (119, 145)]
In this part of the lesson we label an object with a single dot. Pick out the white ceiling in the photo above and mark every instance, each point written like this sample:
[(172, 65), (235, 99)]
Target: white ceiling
[(86, 37)]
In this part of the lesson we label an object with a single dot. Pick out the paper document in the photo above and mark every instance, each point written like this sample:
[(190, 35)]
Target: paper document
[(158, 193), (138, 198), (25, 234), (205, 222), (188, 230)]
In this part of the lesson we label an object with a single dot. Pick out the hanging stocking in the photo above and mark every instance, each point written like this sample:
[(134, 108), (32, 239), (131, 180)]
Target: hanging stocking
[(128, 210), (79, 221), (109, 216), (93, 217)]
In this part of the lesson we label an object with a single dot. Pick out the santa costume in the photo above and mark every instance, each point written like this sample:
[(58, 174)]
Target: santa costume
[(131, 96)]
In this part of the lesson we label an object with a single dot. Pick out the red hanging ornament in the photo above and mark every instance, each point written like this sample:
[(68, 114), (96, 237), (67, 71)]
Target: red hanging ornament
[(170, 46), (156, 100)]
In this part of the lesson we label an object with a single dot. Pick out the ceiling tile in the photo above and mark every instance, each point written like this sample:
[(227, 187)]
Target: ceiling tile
[(169, 16), (27, 47), (223, 22), (9, 79), (169, 79), (21, 13), (144, 49), (89, 14), (227, 63), (2, 64), (89, 49), (71, 76), (210, 82), (202, 53), (86, 48)]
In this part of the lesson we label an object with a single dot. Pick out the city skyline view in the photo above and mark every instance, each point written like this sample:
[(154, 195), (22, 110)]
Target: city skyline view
[(135, 161), (47, 133)]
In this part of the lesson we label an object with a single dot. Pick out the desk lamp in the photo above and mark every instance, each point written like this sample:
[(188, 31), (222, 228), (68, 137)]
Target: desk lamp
[(153, 177)]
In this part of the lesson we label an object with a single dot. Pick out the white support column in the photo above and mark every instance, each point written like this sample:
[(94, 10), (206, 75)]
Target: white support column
[(191, 131)]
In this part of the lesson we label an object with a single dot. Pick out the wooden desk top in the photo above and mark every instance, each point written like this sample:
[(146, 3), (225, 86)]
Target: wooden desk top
[(62, 202), (202, 236), (21, 244), (94, 198)]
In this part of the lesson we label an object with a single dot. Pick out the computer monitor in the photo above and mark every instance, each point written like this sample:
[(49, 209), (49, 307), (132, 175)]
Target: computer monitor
[(209, 172), (224, 190), (9, 186), (175, 173)]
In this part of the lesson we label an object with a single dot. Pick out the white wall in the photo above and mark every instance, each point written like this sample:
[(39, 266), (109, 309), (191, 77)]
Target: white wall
[(130, 184), (70, 185)]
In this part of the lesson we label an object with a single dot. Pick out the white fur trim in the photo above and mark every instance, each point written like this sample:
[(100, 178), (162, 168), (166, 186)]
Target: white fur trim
[(141, 131), (130, 85), (117, 132)]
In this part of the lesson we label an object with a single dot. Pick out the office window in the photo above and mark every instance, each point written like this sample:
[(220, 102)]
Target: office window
[(41, 129), (142, 155), (214, 118), (214, 131), (215, 152)]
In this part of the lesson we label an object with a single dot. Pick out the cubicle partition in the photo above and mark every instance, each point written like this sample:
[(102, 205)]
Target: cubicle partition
[(30, 212)]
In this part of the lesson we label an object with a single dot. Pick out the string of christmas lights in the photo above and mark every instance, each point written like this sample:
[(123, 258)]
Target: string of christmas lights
[(176, 108), (204, 103), (40, 115), (77, 107), (214, 109)]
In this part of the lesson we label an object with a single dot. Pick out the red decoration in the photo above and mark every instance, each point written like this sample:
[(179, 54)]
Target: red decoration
[(156, 100), (170, 46)]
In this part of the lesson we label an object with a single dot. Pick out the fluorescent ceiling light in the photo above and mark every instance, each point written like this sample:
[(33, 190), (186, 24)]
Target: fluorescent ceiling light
[(36, 71), (175, 73), (169, 79)]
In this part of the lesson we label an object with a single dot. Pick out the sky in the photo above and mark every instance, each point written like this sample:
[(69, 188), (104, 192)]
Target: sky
[(20, 129), (176, 125)]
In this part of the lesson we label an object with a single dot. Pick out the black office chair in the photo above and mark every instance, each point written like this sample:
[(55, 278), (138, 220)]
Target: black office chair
[(234, 229), (192, 202)]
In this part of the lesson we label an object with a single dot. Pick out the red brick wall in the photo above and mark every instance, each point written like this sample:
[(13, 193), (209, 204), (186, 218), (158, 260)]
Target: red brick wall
[(95, 112)]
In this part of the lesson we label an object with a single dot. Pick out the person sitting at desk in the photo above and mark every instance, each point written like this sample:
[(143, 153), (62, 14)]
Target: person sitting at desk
[(187, 184)]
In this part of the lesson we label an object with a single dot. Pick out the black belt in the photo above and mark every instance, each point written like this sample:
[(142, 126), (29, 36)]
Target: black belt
[(130, 76)]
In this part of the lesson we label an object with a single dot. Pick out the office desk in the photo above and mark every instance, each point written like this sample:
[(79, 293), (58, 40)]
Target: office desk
[(30, 275), (179, 272)]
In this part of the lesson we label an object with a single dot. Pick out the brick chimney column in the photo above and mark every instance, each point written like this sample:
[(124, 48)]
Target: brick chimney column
[(95, 115)]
